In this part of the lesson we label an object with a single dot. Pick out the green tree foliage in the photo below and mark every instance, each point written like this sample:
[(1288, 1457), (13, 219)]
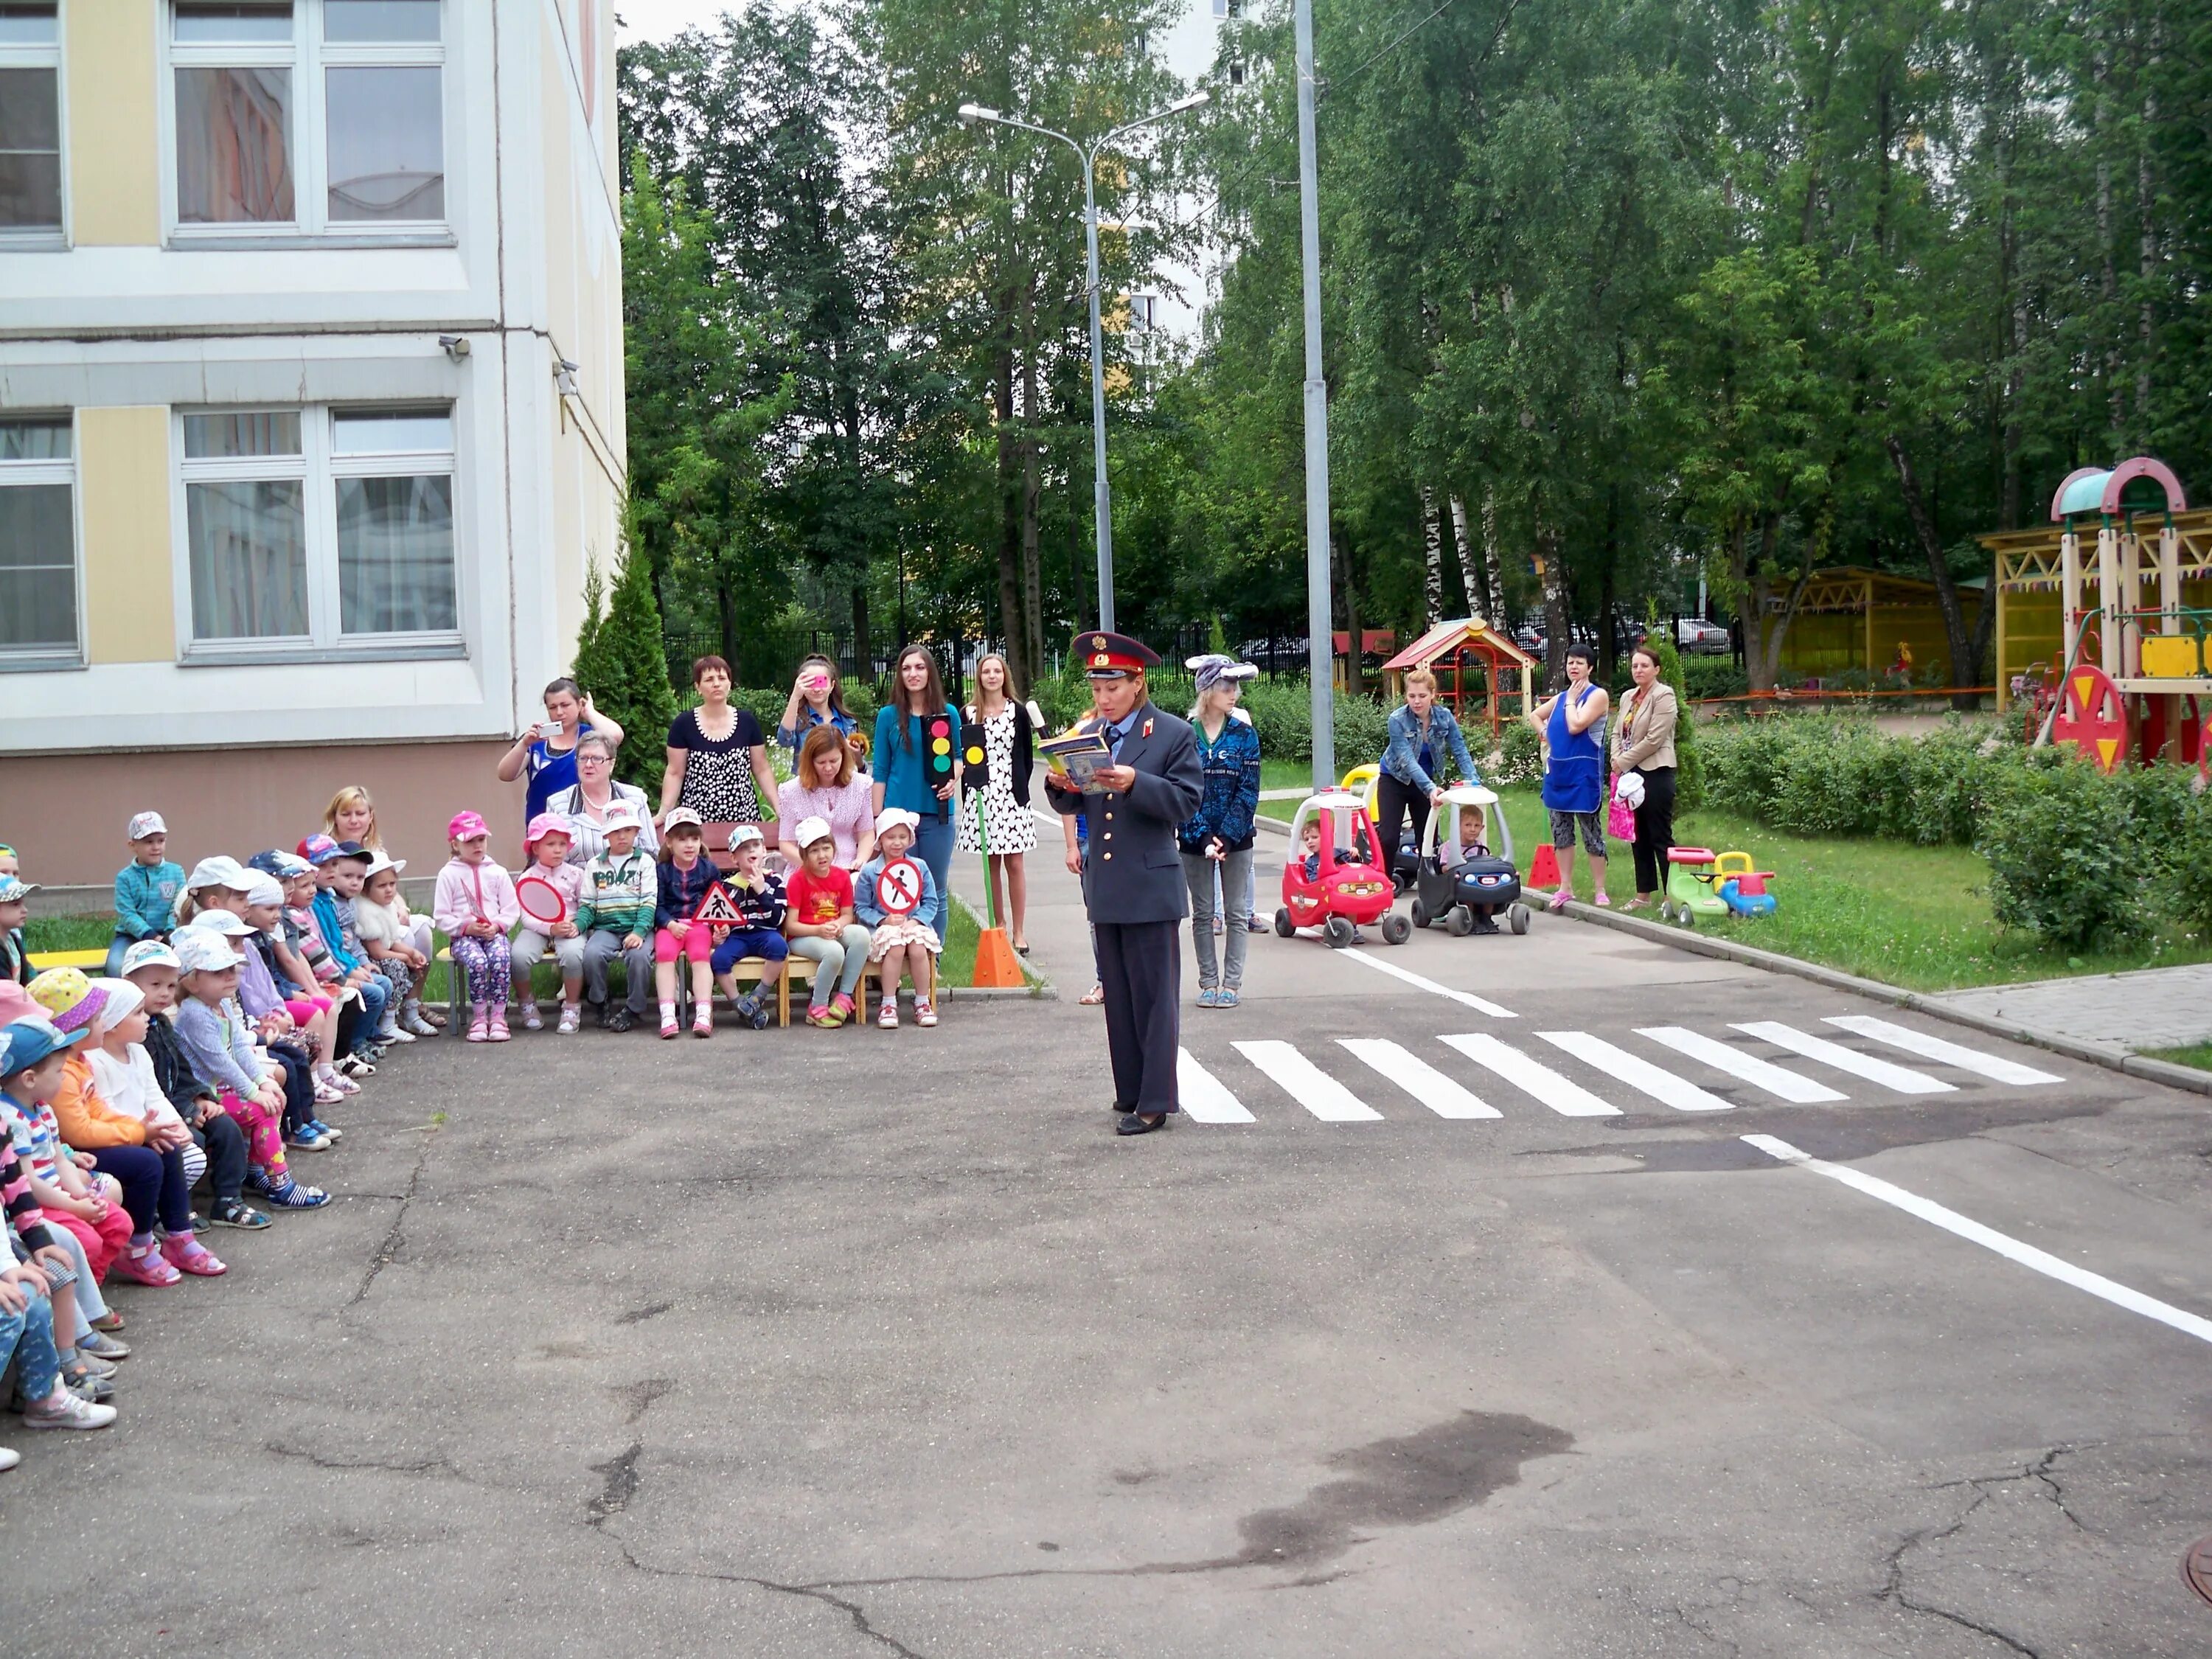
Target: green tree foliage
[(620, 661)]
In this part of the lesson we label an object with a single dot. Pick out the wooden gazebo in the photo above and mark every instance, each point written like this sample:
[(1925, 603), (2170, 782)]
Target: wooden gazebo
[(1470, 658)]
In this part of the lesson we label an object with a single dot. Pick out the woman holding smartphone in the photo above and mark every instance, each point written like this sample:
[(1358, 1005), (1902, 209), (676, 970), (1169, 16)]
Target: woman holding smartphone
[(817, 697), (547, 750)]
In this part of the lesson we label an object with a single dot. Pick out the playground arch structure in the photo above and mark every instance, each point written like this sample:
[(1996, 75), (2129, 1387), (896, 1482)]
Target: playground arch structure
[(2104, 624)]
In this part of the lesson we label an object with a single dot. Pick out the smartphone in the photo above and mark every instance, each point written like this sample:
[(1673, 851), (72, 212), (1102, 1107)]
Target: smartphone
[(549, 729), (816, 682)]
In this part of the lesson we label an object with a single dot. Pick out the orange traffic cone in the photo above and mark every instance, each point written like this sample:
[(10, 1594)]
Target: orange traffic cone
[(1543, 869), (995, 962)]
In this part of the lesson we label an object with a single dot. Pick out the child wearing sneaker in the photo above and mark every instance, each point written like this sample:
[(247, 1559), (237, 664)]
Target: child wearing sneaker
[(333, 912), (475, 905), (685, 878), (152, 967), (147, 1160), (27, 1310), (308, 1029), (758, 895), (146, 889), (122, 1071), (821, 926), (546, 843), (622, 889), (270, 1022), (220, 1049), (388, 936), (902, 943)]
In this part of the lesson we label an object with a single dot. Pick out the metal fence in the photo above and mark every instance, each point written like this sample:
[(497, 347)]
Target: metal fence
[(763, 657)]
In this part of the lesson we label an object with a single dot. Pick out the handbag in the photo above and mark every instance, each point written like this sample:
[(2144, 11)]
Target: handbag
[(1620, 820)]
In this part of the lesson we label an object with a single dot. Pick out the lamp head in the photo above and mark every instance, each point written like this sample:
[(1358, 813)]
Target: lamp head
[(971, 113), (1191, 102)]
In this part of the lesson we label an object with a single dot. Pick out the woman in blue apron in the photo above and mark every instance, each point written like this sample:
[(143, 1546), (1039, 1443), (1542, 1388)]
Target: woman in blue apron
[(1573, 724)]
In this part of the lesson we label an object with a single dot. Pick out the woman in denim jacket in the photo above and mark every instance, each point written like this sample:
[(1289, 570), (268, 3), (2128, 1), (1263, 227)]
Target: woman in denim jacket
[(1420, 731)]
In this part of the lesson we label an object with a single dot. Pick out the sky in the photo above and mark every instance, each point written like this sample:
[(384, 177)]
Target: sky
[(656, 20)]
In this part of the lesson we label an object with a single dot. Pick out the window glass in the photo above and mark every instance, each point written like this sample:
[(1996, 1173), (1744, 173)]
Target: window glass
[(233, 23), (37, 568), (34, 441), (30, 149), (234, 146), (396, 556), (387, 148), (249, 560), (275, 432), (386, 431), (380, 19), (28, 26)]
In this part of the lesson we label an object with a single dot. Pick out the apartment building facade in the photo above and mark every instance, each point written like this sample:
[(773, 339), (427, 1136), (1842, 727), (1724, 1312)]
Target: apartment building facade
[(311, 407)]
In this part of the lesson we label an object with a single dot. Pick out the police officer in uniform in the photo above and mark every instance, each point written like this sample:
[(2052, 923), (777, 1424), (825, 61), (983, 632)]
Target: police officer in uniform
[(1135, 887)]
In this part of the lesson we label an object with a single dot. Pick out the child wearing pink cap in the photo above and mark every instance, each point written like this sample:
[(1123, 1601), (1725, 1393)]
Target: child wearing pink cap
[(547, 842), (475, 905)]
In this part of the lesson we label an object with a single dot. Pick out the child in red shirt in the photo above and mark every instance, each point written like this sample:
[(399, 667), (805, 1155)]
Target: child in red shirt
[(820, 925)]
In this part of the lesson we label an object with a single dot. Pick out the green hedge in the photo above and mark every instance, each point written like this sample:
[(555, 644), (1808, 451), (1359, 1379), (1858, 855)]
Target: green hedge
[(2077, 857)]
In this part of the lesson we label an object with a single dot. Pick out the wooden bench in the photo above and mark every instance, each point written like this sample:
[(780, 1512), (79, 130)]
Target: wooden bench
[(92, 961)]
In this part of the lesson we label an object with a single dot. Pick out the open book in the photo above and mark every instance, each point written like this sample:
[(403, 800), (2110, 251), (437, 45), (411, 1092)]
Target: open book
[(1076, 757)]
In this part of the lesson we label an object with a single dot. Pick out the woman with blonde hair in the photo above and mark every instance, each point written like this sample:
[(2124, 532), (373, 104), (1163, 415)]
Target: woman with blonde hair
[(351, 815), (828, 783), (1421, 732), (1010, 728)]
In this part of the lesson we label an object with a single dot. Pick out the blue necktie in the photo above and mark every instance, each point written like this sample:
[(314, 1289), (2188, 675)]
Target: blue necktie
[(1121, 736)]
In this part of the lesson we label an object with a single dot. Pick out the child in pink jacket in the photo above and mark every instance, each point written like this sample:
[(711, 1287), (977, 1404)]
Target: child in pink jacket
[(475, 905)]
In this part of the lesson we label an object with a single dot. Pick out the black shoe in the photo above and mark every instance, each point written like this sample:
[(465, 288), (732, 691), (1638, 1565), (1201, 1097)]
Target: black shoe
[(598, 1013), (1134, 1123), (619, 1018), (1484, 925)]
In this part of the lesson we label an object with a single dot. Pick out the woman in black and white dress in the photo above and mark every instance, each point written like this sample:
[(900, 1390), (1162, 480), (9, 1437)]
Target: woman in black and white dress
[(718, 763), (1009, 729)]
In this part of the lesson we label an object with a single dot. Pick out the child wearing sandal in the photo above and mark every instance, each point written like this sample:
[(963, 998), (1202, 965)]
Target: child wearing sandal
[(269, 1024), (474, 904), (219, 1048), (122, 1071), (149, 1161), (152, 967), (900, 943), (87, 1226), (685, 877), (821, 926), (758, 895)]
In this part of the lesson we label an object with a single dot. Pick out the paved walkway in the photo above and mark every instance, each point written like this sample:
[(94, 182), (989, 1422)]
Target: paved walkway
[(2153, 1008)]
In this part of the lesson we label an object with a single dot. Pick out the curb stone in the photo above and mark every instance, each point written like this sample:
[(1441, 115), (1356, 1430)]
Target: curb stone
[(1705, 945)]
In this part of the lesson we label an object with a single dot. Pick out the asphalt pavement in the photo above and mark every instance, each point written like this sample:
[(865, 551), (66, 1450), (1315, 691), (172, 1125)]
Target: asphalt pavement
[(1491, 1313)]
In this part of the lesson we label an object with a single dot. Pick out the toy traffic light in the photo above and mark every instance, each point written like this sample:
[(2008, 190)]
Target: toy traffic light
[(937, 731)]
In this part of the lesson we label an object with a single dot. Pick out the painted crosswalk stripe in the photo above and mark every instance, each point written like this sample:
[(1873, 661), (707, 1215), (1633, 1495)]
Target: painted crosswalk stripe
[(1205, 1097), (1531, 1077), (1439, 1093), (1903, 1078), (1307, 1084), (1777, 1080), (1636, 1073), (1465, 998), (1994, 1067)]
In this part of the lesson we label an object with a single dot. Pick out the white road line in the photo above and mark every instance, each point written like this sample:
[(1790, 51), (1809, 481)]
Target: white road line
[(1465, 998), (1636, 1073), (1951, 1053), (1902, 1079), (1989, 1238), (1205, 1098), (1439, 1093), (1533, 1077), (1307, 1084), (1777, 1080)]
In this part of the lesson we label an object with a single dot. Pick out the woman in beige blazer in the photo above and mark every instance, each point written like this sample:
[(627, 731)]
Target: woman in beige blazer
[(1643, 743)]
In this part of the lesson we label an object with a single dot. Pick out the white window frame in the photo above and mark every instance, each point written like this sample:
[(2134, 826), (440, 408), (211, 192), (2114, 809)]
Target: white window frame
[(307, 56), (26, 658), (317, 466), (21, 238)]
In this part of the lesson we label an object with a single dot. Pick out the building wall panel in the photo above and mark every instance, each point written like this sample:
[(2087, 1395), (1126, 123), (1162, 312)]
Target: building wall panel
[(122, 478), (114, 148)]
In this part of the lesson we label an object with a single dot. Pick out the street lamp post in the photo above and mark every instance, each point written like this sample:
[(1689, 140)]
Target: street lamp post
[(1102, 505)]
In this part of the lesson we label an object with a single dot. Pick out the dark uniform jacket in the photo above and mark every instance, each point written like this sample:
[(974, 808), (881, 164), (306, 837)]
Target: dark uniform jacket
[(1135, 870)]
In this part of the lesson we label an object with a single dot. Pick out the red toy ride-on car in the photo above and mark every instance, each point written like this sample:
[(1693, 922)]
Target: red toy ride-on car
[(1348, 888)]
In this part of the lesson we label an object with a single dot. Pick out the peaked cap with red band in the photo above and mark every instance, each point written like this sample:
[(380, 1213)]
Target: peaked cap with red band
[(1113, 656)]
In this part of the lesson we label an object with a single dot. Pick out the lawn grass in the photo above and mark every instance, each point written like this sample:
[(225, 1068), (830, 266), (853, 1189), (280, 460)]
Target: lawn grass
[(1912, 916), (2198, 1054)]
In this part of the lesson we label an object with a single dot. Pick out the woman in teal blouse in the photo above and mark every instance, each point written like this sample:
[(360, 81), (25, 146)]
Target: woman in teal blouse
[(911, 769)]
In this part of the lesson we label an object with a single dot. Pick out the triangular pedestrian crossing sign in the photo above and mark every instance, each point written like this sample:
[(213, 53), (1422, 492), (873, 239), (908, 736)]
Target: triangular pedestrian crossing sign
[(718, 908)]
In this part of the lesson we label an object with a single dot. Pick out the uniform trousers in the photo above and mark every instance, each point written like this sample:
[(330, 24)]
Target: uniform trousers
[(1140, 966)]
